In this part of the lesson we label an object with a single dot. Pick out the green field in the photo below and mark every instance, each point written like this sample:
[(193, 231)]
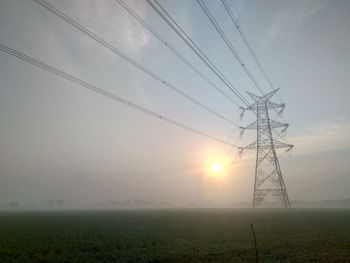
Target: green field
[(202, 235)]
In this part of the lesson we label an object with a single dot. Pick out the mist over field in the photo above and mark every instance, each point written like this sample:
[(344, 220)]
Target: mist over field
[(174, 131), (59, 141)]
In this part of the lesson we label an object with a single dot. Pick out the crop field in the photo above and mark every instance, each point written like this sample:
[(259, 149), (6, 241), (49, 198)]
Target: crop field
[(197, 235)]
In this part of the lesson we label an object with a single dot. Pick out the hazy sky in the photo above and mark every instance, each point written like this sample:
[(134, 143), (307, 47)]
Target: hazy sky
[(59, 140)]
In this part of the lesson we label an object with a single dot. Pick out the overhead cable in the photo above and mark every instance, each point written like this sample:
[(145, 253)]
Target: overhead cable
[(115, 50), (172, 49), (103, 92)]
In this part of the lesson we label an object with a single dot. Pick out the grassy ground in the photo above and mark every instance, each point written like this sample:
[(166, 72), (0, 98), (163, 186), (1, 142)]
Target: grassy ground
[(215, 235)]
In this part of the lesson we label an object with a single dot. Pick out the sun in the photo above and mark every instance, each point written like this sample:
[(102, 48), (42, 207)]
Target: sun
[(217, 168)]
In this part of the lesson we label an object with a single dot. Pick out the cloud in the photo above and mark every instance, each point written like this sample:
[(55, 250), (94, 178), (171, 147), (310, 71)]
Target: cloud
[(109, 20), (292, 14), (324, 137)]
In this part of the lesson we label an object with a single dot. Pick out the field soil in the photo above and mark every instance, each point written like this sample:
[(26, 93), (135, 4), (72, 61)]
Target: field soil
[(188, 235)]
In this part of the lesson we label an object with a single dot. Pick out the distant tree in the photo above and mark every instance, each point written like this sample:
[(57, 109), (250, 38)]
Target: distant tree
[(55, 202), (138, 202), (112, 203), (149, 203), (192, 204), (127, 203), (210, 203), (13, 204), (165, 204), (59, 202), (51, 202)]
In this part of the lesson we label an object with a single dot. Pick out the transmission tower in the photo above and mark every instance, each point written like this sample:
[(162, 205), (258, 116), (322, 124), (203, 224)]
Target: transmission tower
[(268, 174)]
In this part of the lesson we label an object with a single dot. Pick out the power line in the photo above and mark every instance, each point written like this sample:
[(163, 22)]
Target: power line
[(252, 52), (198, 51), (246, 41), (194, 47), (232, 49), (115, 50), (172, 49), (229, 137), (103, 92), (228, 43)]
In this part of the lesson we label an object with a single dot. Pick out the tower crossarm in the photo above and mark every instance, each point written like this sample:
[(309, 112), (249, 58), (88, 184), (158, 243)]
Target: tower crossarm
[(265, 145), (265, 124), (277, 124), (251, 107), (253, 125), (278, 144), (251, 146), (269, 105), (265, 97), (274, 105)]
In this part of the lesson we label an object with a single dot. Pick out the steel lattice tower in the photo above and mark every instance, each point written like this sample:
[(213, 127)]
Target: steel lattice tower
[(268, 174)]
